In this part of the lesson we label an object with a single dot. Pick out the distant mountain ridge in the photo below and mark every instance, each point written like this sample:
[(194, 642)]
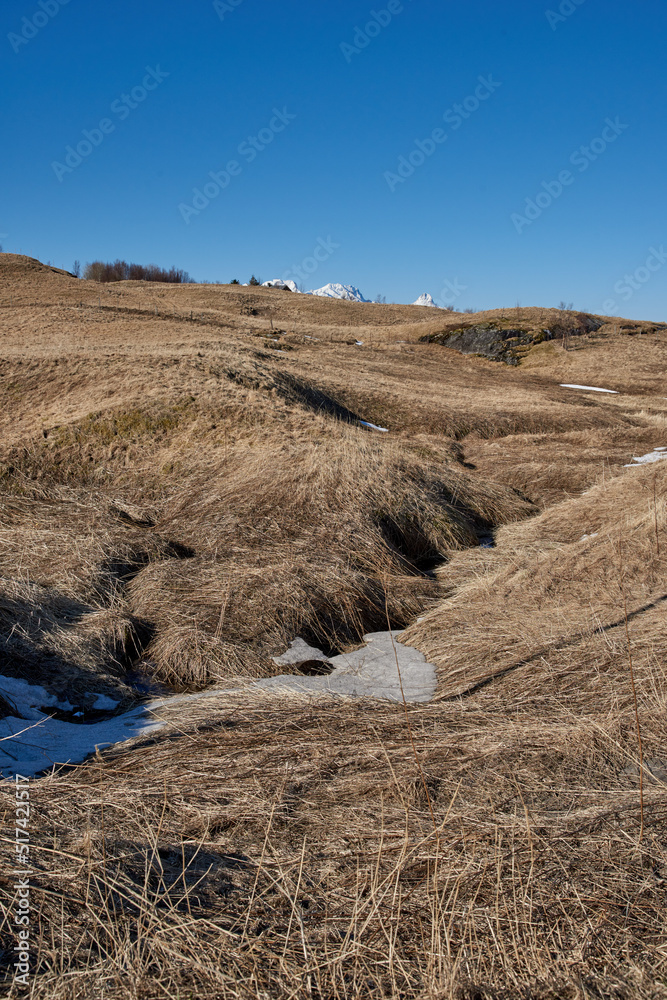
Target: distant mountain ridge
[(337, 291)]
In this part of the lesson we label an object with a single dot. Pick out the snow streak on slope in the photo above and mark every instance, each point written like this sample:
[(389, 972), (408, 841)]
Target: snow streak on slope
[(588, 388)]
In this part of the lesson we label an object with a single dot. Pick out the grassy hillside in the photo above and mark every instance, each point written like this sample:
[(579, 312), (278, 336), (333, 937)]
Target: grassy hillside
[(186, 485)]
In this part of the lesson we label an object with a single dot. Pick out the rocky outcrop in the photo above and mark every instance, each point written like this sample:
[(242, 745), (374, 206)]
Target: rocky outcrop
[(498, 343)]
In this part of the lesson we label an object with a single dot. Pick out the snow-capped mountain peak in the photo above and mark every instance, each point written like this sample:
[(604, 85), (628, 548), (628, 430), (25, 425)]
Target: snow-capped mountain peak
[(279, 283), (425, 300), (336, 291)]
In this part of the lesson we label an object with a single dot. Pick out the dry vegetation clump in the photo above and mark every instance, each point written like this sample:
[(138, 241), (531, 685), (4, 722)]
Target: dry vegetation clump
[(73, 647), (65, 559)]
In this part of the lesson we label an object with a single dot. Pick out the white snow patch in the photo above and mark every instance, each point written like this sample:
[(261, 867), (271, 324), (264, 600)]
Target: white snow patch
[(585, 538), (28, 698), (105, 704), (337, 291), (373, 427), (29, 747), (383, 668), (589, 388), (358, 343), (425, 300), (652, 456)]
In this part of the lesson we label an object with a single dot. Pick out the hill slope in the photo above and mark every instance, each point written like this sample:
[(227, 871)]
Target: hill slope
[(185, 485)]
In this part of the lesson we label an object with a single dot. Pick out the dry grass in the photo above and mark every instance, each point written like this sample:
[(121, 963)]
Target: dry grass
[(278, 850), (174, 489), (545, 611)]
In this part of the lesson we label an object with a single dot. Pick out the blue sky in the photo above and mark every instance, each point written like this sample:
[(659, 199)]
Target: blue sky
[(332, 99)]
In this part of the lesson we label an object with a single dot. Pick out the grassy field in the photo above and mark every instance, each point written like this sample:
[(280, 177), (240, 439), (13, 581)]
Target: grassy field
[(185, 485)]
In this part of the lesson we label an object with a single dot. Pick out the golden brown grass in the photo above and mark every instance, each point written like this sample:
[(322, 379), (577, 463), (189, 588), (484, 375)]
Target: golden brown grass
[(544, 611), (278, 850), (173, 488)]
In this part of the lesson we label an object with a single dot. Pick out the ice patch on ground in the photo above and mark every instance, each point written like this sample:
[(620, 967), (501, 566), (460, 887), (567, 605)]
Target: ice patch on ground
[(29, 747), (28, 698), (379, 670), (589, 388), (105, 704), (652, 456), (384, 668), (299, 652), (373, 427)]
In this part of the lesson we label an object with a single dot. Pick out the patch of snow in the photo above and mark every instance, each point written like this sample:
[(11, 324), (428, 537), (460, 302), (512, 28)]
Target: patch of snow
[(358, 343), (28, 698), (299, 652), (425, 300), (589, 388), (279, 283), (652, 456), (337, 291), (30, 746), (105, 704), (373, 427), (371, 672), (27, 748), (584, 538)]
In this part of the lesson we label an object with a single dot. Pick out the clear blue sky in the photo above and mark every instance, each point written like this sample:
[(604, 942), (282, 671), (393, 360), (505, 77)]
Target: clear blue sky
[(329, 173)]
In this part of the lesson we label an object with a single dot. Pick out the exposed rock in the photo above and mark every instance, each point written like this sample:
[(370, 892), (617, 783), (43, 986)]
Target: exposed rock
[(491, 340)]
